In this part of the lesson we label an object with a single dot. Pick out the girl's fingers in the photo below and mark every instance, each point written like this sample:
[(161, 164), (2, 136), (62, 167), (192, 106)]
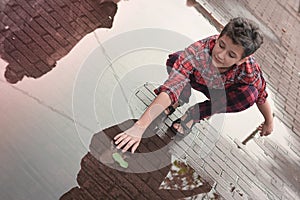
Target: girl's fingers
[(119, 135), (260, 127), (135, 146), (125, 141), (129, 144), (121, 138)]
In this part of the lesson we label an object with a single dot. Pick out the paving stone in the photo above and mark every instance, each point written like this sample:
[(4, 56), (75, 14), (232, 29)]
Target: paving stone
[(55, 45), (26, 52), (239, 195), (127, 185), (85, 26), (62, 3), (14, 17), (227, 171), (23, 37), (291, 110), (266, 180), (296, 126), (272, 197), (37, 27), (39, 52), (91, 186), (59, 13), (52, 32), (202, 147), (67, 36), (244, 160), (277, 183), (224, 144), (27, 8), (294, 143), (253, 191), (213, 165), (90, 171), (28, 67), (39, 40), (8, 46), (87, 21), (194, 156), (47, 7), (267, 151), (227, 195), (93, 16), (288, 193), (228, 175), (78, 194), (235, 166), (226, 189), (220, 154)]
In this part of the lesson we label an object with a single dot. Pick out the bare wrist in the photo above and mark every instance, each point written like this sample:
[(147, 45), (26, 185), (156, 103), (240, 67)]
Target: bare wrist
[(140, 125), (269, 120)]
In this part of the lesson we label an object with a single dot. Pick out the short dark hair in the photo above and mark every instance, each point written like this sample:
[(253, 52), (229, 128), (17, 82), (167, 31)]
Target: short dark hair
[(244, 32)]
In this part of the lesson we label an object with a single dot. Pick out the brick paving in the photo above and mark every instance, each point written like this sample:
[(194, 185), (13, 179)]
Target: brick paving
[(36, 34), (109, 181)]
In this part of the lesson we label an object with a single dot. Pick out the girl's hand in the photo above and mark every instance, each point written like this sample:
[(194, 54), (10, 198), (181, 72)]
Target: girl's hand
[(266, 128), (130, 138)]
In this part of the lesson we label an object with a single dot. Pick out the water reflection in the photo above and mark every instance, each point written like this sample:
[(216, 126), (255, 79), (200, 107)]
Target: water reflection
[(107, 179), (36, 34)]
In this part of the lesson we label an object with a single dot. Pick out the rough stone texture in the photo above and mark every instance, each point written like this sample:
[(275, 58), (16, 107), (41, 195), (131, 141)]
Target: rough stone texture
[(36, 34)]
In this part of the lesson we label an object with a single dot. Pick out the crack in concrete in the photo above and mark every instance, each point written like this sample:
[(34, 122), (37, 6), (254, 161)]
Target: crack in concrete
[(117, 78), (42, 103)]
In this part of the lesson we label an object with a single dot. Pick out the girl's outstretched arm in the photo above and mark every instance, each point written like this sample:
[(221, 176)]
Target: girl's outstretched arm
[(132, 136), (267, 127)]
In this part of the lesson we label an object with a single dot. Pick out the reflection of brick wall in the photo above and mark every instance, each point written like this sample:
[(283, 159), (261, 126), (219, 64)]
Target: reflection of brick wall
[(98, 181), (35, 34)]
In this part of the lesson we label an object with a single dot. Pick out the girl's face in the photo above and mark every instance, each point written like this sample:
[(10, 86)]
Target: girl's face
[(225, 53)]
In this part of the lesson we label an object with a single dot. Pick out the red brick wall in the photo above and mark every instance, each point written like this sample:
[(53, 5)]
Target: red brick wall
[(35, 34)]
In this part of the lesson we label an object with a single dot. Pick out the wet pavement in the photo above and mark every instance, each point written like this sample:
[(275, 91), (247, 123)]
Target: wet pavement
[(73, 68)]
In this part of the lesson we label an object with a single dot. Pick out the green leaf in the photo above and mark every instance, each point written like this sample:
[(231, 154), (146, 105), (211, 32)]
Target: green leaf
[(118, 158)]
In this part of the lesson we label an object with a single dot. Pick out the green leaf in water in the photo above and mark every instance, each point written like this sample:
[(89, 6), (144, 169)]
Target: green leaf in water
[(118, 158)]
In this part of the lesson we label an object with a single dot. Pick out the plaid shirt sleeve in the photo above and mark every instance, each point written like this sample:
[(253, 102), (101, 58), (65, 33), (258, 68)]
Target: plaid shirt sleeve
[(180, 72), (262, 93), (253, 75)]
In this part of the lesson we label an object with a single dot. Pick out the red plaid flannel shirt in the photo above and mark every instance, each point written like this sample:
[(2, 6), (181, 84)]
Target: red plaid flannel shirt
[(196, 60)]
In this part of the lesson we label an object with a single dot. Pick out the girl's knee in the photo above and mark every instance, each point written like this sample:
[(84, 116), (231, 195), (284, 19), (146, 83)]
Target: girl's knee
[(241, 97)]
